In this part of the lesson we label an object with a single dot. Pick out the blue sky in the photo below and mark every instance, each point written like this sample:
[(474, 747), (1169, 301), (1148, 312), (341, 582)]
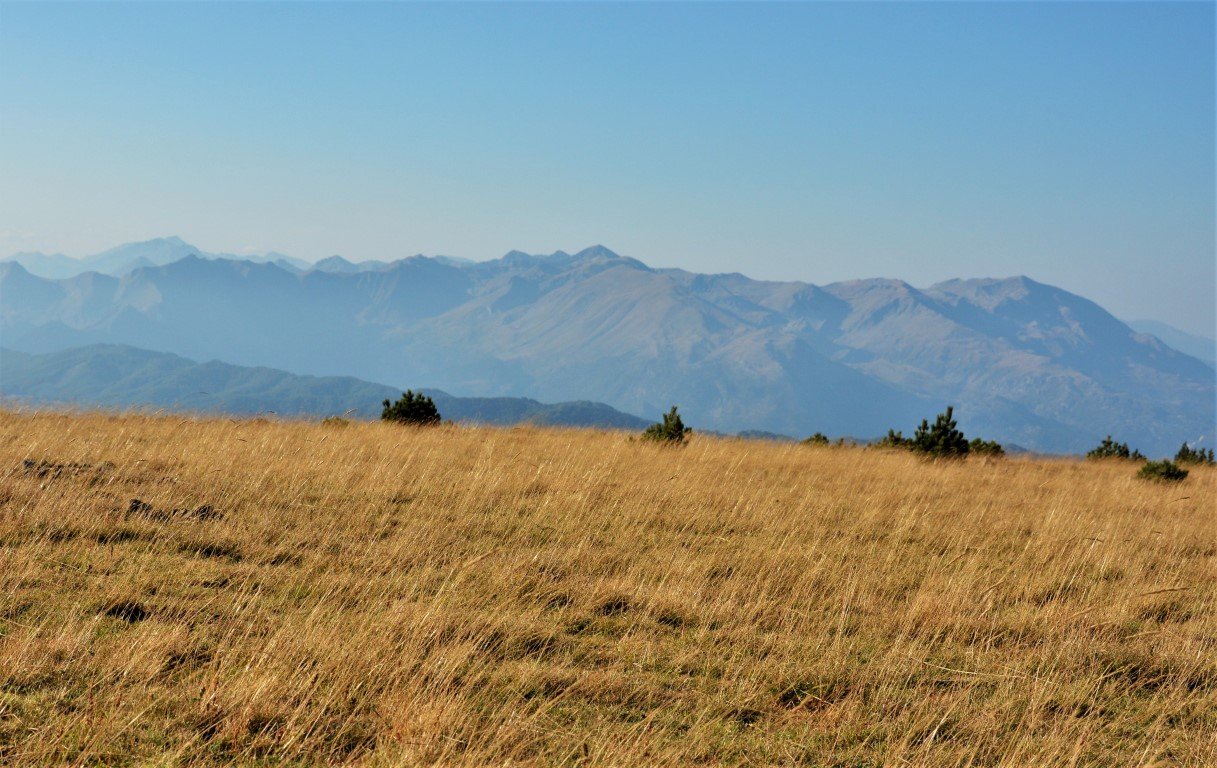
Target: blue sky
[(1070, 142)]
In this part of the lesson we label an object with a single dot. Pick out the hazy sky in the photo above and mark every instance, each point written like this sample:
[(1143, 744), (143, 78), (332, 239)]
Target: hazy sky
[(1070, 142)]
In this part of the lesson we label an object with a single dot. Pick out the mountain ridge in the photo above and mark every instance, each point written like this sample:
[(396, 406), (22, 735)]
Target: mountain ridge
[(1202, 348), (125, 258), (120, 376), (1022, 361)]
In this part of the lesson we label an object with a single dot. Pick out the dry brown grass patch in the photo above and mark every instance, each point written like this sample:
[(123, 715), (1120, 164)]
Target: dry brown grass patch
[(214, 592)]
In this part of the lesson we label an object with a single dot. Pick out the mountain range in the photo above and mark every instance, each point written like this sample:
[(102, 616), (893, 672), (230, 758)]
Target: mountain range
[(1022, 361), (128, 257), (116, 376)]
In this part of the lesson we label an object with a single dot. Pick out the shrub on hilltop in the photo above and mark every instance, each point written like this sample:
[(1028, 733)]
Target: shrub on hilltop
[(671, 430), (411, 409), (818, 438), (1110, 449), (941, 440), (1189, 455)]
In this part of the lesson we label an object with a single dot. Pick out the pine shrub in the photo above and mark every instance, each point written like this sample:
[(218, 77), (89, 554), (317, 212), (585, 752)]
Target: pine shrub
[(1110, 449), (980, 447), (1189, 455), (941, 439), (671, 431), (818, 438), (894, 439), (1164, 471), (411, 409)]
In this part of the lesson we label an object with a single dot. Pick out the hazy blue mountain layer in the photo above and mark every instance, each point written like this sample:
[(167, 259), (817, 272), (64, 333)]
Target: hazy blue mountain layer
[(116, 376), (125, 258), (1022, 362), (1200, 347)]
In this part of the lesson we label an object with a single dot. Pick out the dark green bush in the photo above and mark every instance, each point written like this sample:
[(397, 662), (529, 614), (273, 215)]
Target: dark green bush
[(1189, 455), (411, 409), (1165, 471), (671, 430), (894, 439), (818, 438), (1110, 449), (940, 439), (985, 447)]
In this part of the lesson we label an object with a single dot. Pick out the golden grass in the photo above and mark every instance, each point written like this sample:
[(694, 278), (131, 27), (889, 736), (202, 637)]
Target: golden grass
[(381, 595)]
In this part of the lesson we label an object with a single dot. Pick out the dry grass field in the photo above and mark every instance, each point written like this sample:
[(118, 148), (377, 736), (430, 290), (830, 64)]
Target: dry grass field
[(183, 592)]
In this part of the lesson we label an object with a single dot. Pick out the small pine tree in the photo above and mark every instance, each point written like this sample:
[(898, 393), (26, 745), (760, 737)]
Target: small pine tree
[(411, 409), (941, 439), (671, 430), (818, 438), (1110, 449), (1164, 471), (1189, 455)]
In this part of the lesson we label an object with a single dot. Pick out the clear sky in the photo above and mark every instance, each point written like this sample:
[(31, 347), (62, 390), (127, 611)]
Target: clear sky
[(1070, 142)]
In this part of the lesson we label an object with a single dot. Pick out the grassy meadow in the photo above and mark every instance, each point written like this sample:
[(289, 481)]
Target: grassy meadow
[(180, 591)]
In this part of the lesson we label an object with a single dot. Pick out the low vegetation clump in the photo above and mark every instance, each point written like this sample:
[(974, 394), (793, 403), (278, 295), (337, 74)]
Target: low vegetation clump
[(894, 439), (215, 592), (670, 430), (979, 447), (1165, 471), (818, 438), (411, 408), (1189, 455), (1110, 449), (941, 440)]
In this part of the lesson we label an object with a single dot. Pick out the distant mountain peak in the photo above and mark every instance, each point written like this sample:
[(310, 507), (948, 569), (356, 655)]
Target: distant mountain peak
[(591, 253), (993, 284), (992, 292), (171, 240), (596, 252), (335, 259)]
